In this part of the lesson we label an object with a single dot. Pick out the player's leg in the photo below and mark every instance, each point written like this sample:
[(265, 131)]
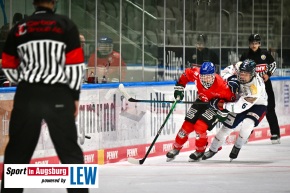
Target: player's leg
[(200, 128), (205, 121), (186, 128), (252, 118), (228, 126), (247, 127), (217, 142), (180, 139)]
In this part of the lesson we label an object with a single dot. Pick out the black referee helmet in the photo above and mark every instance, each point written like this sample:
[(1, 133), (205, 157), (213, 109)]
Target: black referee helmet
[(37, 2), (254, 38), (201, 38), (41, 1)]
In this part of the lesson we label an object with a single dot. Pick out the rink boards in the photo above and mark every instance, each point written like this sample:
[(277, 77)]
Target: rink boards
[(120, 129)]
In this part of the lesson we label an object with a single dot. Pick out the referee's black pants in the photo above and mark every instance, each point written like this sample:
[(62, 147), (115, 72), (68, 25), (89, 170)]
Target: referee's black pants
[(32, 104), (271, 113)]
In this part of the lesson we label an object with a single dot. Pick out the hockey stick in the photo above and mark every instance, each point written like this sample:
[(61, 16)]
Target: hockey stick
[(153, 101), (136, 161), (130, 99)]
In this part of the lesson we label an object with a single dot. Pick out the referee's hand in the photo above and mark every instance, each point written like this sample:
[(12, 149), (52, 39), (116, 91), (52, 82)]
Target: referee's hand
[(265, 77)]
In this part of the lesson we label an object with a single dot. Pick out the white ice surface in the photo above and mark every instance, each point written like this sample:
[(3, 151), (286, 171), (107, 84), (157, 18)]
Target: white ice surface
[(260, 168)]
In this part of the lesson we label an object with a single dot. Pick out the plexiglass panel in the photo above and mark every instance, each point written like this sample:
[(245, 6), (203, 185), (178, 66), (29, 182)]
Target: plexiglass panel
[(155, 40)]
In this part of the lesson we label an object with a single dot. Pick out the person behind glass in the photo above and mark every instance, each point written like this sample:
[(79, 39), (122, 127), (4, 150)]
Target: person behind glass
[(83, 41), (108, 62), (200, 117), (203, 54), (47, 63), (266, 66)]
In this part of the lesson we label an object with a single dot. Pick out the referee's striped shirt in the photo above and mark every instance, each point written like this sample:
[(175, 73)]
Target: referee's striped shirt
[(44, 48)]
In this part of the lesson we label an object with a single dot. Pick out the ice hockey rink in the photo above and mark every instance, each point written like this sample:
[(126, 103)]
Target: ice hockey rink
[(260, 168)]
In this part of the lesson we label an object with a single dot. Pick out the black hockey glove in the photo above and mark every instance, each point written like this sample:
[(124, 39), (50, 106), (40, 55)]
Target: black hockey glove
[(234, 84), (216, 103), (179, 91)]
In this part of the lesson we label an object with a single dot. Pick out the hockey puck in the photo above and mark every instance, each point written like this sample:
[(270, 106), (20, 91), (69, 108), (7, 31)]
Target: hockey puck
[(88, 137)]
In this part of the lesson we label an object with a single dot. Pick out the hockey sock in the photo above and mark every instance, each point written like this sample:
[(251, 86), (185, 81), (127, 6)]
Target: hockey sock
[(245, 132), (220, 138), (182, 134), (200, 128)]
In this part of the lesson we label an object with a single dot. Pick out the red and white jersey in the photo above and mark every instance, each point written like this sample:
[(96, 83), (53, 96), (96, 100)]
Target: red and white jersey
[(219, 89), (108, 66), (251, 93)]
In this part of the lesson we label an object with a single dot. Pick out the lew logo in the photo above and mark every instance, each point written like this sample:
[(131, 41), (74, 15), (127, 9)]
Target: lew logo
[(51, 176)]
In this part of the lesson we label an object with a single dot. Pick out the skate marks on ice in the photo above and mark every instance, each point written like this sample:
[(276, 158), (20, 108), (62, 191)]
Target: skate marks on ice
[(260, 168), (227, 163), (257, 152)]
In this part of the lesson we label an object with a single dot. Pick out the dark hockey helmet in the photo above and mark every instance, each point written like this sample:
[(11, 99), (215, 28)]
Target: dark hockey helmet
[(254, 38), (35, 2), (207, 76), (201, 38), (105, 45), (248, 66), (40, 1)]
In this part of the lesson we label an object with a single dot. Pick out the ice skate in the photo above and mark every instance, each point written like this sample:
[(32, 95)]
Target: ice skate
[(196, 156), (208, 154), (275, 139), (171, 154), (234, 153)]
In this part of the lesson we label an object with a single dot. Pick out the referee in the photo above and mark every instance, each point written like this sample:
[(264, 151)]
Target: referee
[(42, 54), (266, 66)]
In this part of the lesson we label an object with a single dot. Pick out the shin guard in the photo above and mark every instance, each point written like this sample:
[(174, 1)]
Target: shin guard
[(245, 132), (220, 138), (182, 134), (200, 128)]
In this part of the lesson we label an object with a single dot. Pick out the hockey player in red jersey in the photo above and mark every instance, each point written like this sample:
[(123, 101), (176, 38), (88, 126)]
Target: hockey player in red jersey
[(201, 117), (108, 62)]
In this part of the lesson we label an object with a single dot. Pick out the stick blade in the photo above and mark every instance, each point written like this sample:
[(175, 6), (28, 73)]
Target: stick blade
[(123, 91), (132, 100), (134, 161)]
